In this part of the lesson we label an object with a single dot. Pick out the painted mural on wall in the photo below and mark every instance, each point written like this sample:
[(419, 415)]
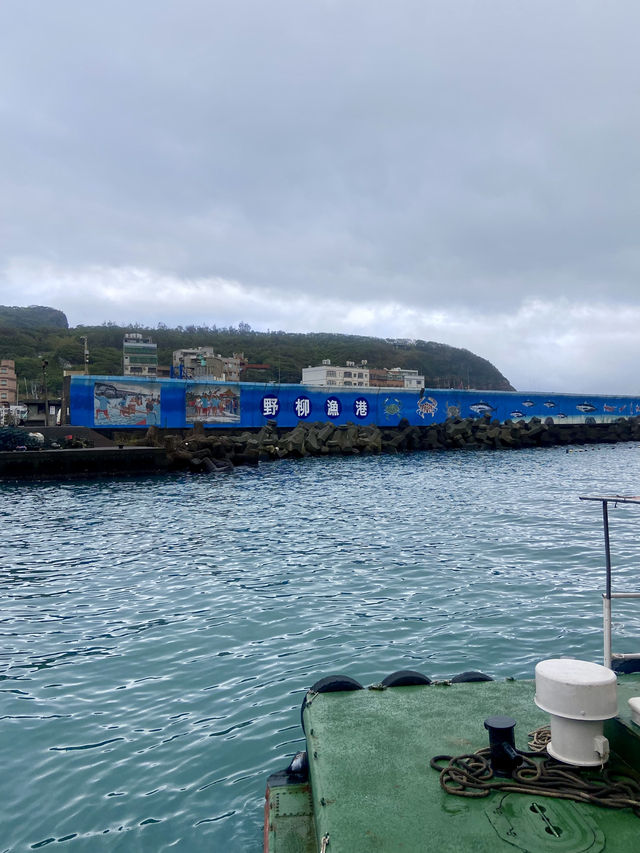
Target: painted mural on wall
[(175, 403), (427, 406), (217, 404), (561, 408), (122, 403)]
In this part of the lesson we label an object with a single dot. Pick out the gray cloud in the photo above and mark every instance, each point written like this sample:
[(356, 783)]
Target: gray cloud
[(405, 163)]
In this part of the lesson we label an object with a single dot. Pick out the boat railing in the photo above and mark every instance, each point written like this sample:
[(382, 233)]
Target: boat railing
[(608, 595)]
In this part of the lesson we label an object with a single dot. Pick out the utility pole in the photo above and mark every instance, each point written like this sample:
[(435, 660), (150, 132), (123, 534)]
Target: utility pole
[(86, 354), (45, 364)]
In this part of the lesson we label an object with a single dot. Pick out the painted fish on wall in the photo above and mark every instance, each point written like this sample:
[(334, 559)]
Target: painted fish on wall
[(482, 408)]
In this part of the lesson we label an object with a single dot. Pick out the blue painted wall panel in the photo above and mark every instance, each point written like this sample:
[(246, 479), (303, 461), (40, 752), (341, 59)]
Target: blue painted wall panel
[(136, 403)]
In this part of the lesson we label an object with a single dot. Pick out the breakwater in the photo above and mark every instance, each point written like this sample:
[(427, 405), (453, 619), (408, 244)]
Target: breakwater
[(202, 450)]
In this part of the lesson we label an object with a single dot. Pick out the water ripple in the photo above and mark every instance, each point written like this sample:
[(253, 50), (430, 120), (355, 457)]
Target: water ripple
[(158, 635)]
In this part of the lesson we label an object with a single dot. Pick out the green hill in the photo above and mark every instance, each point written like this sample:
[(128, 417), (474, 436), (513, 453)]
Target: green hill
[(29, 335), (33, 317)]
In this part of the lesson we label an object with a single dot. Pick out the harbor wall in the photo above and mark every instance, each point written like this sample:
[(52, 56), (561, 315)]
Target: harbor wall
[(118, 402), (82, 453)]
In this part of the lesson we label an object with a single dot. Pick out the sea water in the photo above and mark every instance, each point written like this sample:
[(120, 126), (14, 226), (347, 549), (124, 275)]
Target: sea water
[(157, 635)]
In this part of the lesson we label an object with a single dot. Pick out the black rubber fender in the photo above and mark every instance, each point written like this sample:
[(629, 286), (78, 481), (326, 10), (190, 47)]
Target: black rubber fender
[(625, 667), (471, 675), (335, 684), (404, 678), (330, 684), (298, 769)]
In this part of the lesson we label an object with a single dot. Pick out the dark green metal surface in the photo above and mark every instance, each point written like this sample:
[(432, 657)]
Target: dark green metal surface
[(540, 824), (289, 818), (373, 789)]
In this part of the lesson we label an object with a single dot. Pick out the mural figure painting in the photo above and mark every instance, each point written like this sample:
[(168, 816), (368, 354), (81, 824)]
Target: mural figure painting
[(219, 404), (126, 404)]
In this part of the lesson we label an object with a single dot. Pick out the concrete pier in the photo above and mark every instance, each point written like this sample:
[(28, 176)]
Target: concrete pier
[(82, 462)]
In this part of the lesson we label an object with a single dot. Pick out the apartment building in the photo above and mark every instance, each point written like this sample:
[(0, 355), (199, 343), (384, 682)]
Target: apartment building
[(409, 378), (380, 378), (8, 382), (139, 356), (204, 361), (361, 376), (328, 374)]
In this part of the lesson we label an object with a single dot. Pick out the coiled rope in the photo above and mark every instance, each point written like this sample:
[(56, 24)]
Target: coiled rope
[(471, 775)]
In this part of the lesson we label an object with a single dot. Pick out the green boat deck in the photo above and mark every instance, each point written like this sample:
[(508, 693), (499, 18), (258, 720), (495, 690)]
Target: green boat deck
[(371, 787)]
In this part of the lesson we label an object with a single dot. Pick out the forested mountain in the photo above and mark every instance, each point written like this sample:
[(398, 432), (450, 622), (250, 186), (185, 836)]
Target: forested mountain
[(33, 317), (29, 335)]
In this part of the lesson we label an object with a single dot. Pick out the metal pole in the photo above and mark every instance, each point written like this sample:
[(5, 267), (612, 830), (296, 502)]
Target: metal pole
[(45, 364), (606, 598), (86, 354), (606, 615), (607, 548)]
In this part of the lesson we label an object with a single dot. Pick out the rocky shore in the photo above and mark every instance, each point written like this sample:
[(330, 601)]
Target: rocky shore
[(212, 451)]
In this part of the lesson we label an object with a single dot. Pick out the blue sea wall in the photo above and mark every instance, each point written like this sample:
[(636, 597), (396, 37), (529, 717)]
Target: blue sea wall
[(126, 402)]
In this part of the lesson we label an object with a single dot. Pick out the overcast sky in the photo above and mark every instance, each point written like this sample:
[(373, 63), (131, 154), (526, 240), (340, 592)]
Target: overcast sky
[(462, 172)]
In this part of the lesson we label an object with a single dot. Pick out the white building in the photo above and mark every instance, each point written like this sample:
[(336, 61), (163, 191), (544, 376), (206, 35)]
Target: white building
[(410, 378), (360, 376), (342, 377)]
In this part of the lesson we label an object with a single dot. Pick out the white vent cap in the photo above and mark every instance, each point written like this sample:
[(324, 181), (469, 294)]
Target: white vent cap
[(576, 689)]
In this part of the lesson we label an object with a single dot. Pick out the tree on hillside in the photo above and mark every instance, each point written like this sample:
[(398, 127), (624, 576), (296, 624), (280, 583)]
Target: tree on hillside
[(286, 353)]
